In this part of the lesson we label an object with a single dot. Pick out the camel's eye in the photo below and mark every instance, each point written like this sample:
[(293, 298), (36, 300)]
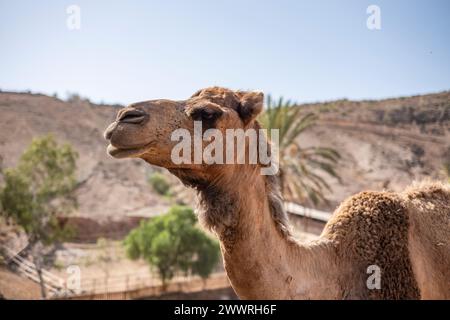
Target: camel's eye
[(206, 114)]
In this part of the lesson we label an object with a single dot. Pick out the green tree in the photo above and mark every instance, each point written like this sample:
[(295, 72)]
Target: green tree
[(159, 183), (301, 168), (172, 243), (36, 192)]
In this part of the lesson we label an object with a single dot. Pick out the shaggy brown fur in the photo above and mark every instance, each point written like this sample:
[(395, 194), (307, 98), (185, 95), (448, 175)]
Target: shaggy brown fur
[(219, 209), (276, 205), (428, 205), (371, 228), (406, 235)]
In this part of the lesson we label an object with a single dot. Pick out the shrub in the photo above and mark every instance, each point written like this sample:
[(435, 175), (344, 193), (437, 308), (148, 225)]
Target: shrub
[(159, 183), (172, 243), (37, 191)]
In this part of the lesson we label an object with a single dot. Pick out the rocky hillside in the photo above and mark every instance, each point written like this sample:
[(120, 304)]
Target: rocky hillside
[(384, 144)]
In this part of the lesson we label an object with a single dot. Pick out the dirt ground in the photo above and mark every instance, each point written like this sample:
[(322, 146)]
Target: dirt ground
[(217, 294), (13, 286)]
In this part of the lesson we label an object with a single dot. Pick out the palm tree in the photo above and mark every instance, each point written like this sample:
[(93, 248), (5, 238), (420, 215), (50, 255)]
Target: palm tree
[(301, 169)]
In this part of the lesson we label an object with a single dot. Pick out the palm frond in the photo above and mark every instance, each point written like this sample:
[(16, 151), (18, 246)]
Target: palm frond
[(303, 168)]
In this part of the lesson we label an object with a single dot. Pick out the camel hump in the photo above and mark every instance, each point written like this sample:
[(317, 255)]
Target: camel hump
[(428, 191), (428, 204), (371, 229), (429, 215), (364, 215)]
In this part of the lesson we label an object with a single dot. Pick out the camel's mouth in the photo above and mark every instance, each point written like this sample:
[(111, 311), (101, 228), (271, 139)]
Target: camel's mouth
[(122, 132), (120, 153)]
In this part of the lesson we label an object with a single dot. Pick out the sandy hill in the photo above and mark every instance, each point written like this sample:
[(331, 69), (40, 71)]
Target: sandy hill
[(384, 144), (107, 188)]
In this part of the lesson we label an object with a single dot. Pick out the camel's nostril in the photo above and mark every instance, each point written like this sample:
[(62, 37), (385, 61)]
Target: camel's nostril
[(132, 116)]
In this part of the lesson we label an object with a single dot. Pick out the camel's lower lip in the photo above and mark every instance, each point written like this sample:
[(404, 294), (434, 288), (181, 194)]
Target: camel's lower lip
[(125, 153)]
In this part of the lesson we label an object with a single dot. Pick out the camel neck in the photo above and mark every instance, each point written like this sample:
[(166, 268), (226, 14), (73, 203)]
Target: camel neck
[(261, 260)]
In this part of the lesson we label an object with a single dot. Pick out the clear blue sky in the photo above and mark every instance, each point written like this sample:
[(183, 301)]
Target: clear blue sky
[(313, 50)]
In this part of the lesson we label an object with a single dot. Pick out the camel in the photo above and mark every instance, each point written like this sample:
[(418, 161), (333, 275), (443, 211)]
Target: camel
[(405, 235)]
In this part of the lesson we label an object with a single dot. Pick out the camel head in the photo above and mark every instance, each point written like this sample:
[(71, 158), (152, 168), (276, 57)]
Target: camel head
[(146, 129)]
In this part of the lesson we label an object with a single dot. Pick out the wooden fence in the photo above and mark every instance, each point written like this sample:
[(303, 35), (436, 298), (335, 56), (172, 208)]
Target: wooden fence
[(149, 287)]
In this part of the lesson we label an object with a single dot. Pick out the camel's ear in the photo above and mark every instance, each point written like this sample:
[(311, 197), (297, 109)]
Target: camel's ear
[(251, 104)]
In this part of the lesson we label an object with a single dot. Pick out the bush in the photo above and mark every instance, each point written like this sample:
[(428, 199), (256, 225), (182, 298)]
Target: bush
[(172, 243), (40, 188), (37, 191), (159, 184)]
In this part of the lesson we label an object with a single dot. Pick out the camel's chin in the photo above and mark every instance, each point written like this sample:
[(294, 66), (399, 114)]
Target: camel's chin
[(124, 153)]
